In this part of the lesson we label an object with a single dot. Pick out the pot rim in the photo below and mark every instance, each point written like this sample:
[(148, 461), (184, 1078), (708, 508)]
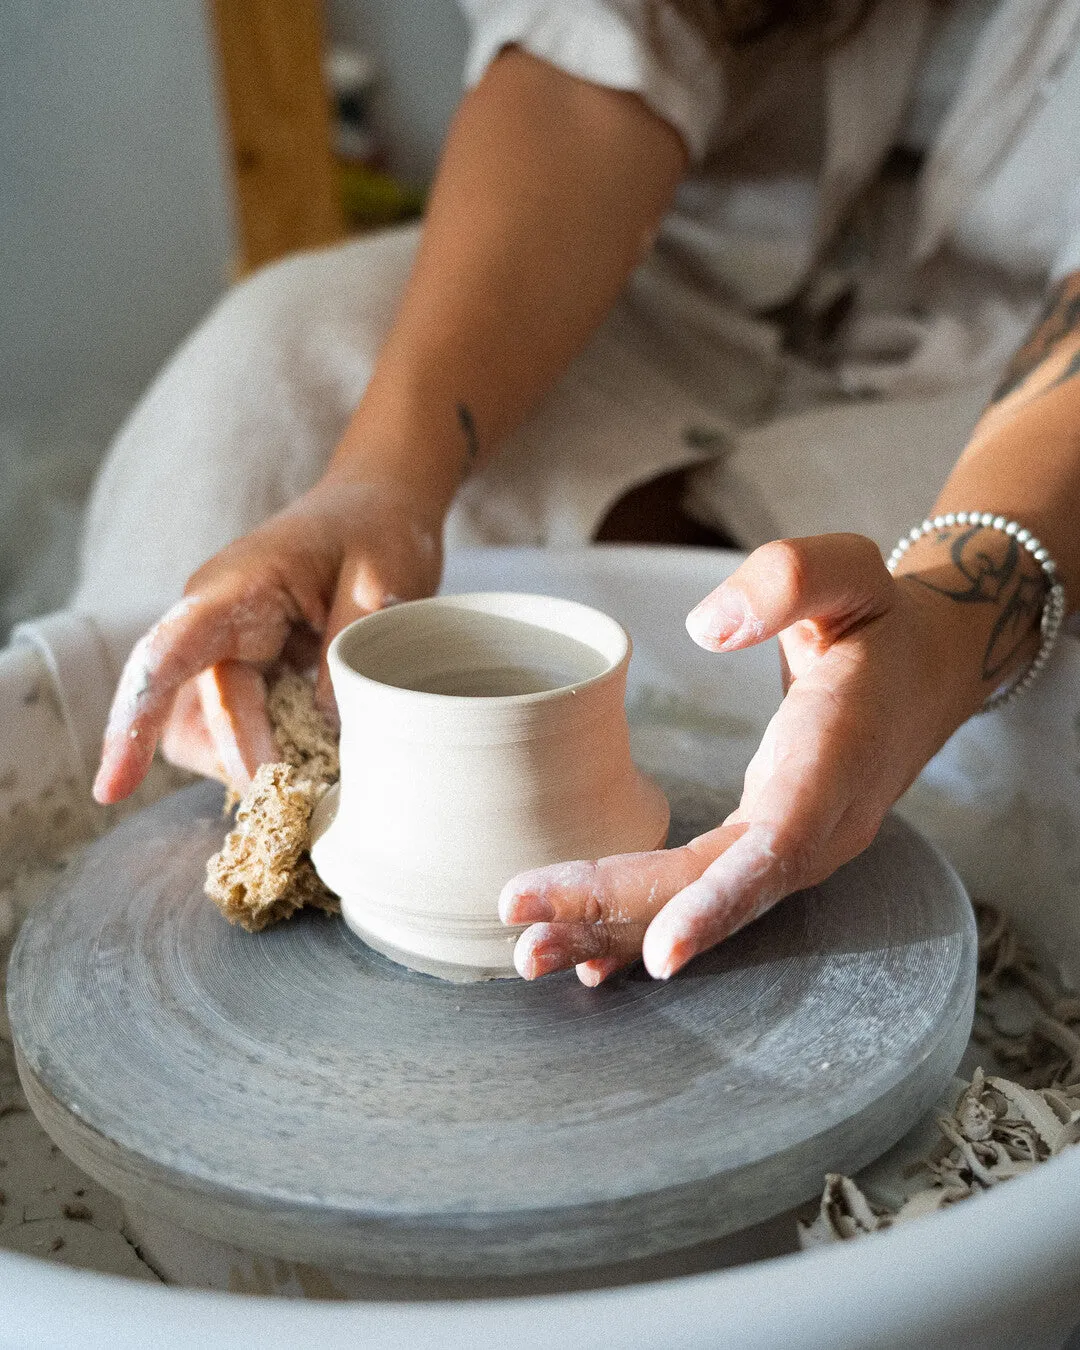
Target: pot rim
[(524, 606)]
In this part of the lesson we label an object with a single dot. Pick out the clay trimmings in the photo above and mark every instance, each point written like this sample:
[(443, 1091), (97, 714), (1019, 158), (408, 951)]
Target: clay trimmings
[(998, 1128), (263, 872)]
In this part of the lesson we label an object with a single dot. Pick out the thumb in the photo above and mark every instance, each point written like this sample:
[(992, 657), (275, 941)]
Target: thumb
[(834, 580)]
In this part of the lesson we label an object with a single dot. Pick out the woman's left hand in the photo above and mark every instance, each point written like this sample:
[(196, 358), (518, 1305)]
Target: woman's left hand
[(878, 673)]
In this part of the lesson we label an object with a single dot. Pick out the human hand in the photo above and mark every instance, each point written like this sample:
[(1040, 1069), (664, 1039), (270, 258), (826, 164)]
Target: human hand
[(195, 680), (878, 673)]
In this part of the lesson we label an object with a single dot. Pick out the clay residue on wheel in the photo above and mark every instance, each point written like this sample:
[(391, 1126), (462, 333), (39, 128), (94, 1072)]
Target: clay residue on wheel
[(263, 872)]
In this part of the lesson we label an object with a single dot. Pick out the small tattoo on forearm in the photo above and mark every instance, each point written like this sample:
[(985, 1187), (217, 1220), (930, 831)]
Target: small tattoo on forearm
[(1060, 319), (992, 569), (1073, 368), (468, 430)]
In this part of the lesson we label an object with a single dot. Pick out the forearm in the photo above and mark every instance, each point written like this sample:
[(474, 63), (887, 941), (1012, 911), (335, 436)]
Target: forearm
[(548, 194), (1022, 462), (1023, 459)]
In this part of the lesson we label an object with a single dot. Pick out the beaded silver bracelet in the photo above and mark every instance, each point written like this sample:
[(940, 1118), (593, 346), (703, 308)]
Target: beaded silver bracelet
[(1053, 611)]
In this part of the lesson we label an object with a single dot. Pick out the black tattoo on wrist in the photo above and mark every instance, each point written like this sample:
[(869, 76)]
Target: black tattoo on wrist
[(468, 430), (1060, 319), (991, 568)]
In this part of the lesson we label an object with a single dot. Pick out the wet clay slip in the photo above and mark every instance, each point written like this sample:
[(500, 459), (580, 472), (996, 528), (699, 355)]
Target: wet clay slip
[(480, 735)]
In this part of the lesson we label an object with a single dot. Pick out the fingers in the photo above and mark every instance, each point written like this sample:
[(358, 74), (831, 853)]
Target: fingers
[(224, 623), (361, 589), (185, 740), (594, 973), (625, 888), (547, 947), (730, 893), (834, 580), (217, 726), (804, 818), (586, 912), (232, 696)]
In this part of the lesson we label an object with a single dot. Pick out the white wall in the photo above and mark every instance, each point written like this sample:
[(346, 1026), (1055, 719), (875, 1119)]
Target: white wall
[(114, 215), (114, 224)]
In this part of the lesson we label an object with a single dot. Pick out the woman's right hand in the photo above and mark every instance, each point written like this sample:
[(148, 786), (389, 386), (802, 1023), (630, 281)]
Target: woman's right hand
[(195, 681)]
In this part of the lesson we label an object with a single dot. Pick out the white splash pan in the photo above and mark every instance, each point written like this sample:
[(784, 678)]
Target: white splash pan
[(1001, 800)]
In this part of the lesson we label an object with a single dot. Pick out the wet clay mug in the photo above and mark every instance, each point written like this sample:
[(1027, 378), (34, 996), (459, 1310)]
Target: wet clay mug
[(480, 735)]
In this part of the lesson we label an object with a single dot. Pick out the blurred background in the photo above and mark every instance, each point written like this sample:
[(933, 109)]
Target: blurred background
[(150, 154)]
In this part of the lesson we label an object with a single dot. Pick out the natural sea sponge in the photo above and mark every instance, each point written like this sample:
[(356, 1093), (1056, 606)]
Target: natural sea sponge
[(263, 872), (303, 734)]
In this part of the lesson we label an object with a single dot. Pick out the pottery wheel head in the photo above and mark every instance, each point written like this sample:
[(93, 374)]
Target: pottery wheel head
[(295, 1092)]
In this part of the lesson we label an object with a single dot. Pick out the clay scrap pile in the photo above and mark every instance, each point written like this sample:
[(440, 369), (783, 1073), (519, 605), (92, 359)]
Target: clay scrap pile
[(263, 872), (1000, 1127)]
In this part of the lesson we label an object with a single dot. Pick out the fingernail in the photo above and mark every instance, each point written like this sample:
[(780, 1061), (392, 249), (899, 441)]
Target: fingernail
[(527, 909), (594, 973), (680, 953), (717, 619), (536, 962)]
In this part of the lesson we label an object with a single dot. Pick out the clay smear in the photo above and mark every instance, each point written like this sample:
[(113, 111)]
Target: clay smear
[(263, 873), (1000, 1127), (137, 678)]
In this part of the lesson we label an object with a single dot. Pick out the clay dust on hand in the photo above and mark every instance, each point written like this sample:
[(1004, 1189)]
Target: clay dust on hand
[(263, 873)]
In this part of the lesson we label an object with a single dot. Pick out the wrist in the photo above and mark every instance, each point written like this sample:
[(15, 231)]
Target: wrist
[(403, 461), (979, 597), (954, 641)]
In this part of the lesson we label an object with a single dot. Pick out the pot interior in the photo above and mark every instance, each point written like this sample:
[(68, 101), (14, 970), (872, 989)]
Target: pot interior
[(443, 647)]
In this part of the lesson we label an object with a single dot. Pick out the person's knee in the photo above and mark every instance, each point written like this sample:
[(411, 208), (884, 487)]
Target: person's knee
[(266, 306), (344, 296)]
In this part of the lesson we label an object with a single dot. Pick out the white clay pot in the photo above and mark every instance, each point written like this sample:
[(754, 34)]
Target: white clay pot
[(480, 735)]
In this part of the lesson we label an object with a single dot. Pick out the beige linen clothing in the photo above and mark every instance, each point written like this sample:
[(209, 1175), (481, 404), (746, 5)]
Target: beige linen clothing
[(726, 344), (793, 214), (819, 329)]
